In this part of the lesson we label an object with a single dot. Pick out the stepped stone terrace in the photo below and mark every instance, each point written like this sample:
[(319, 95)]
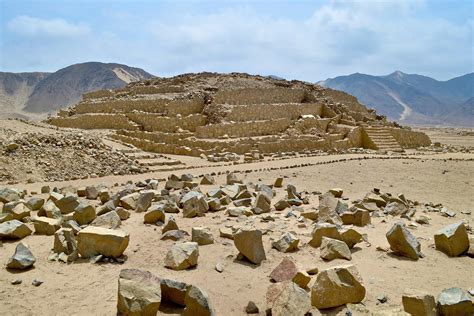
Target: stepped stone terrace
[(208, 113)]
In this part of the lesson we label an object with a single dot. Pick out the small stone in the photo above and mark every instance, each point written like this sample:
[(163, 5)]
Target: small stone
[(154, 214), (251, 308), (219, 268), (16, 282), (37, 282)]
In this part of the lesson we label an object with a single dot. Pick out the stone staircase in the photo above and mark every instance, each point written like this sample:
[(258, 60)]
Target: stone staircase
[(151, 161), (382, 138)]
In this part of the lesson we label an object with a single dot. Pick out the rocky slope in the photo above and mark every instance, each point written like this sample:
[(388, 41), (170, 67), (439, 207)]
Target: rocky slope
[(27, 94), (412, 98)]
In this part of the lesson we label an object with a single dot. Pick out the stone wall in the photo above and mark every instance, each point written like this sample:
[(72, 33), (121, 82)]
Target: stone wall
[(410, 139), (156, 122), (98, 94), (308, 123), (95, 121), (166, 106), (259, 96), (257, 112), (244, 129)]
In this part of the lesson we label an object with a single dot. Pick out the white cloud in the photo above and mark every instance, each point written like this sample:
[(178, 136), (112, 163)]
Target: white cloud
[(31, 26)]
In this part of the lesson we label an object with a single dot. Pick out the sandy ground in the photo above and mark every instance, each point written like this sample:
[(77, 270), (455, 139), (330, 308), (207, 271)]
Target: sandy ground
[(83, 288)]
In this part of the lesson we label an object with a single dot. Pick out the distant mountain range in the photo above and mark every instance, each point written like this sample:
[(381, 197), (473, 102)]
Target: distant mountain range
[(411, 98), (37, 93)]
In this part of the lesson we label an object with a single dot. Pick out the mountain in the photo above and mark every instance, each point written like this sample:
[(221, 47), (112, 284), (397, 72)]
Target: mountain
[(30, 94), (412, 98)]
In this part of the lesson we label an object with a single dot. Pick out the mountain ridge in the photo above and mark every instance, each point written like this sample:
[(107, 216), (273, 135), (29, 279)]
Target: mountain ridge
[(429, 101)]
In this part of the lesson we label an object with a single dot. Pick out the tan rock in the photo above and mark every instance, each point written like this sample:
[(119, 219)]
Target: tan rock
[(287, 298), (65, 242), (337, 286), (46, 226), (144, 200), (302, 279), (92, 241), (154, 214), (249, 243), (17, 210), (110, 220), (182, 256), (84, 214), (202, 235), (334, 249), (197, 303), (194, 204), (419, 304), (287, 243), (14, 229), (139, 293), (67, 204), (22, 259), (350, 236), (324, 230), (455, 302), (170, 225), (358, 217), (402, 242), (452, 239), (129, 202), (337, 192)]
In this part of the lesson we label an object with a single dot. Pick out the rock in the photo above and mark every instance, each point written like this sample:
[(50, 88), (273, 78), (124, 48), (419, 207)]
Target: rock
[(5, 217), (174, 184), (129, 202), (182, 256), (17, 210), (197, 303), (109, 220), (219, 268), (251, 308), (14, 229), (324, 230), (358, 217), (154, 214), (313, 271), (139, 293), (22, 259), (67, 204), (284, 271), (278, 183), (329, 209), (337, 286), (287, 298), (334, 249), (207, 180), (249, 243), (226, 232), (337, 192), (173, 291), (174, 235), (214, 204), (16, 282), (170, 225), (301, 279), (46, 226), (239, 211), (91, 193), (104, 196), (395, 209), (350, 236), (45, 189), (262, 202), (452, 239), (419, 304), (374, 198), (144, 200), (194, 204), (49, 209), (122, 213), (291, 192), (422, 219), (281, 205), (202, 235), (9, 195), (92, 241), (232, 178), (402, 242), (243, 202), (84, 214), (65, 242), (454, 302), (36, 282), (287, 242), (35, 203)]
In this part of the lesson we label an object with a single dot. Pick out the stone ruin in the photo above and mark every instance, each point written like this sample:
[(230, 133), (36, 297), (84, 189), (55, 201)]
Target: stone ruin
[(209, 113)]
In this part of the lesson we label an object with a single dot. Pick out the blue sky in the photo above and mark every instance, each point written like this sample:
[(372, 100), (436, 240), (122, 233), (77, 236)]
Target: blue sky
[(307, 40)]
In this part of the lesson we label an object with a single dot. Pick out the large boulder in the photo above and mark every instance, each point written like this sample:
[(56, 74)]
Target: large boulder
[(197, 303), (452, 239), (84, 214), (334, 249), (14, 229), (324, 230), (194, 204), (182, 256), (287, 243), (249, 243), (45, 225), (402, 242), (455, 302), (419, 304), (92, 241), (287, 298), (139, 293), (22, 259), (337, 286)]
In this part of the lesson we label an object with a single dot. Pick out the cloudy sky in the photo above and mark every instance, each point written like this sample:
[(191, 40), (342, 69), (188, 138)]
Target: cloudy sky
[(308, 40)]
